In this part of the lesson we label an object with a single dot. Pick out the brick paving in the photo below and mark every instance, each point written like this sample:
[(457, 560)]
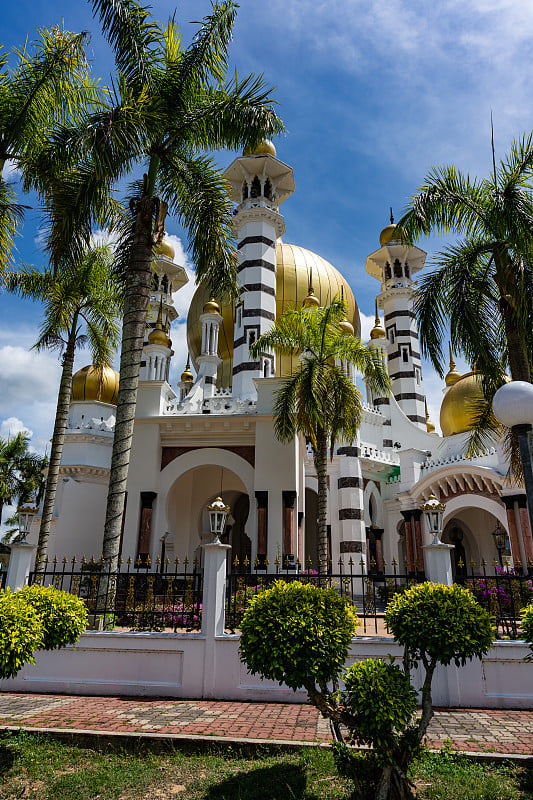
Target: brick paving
[(464, 729)]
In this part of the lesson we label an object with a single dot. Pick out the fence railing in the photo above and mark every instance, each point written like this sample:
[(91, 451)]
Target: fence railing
[(503, 591), (134, 597), (369, 592)]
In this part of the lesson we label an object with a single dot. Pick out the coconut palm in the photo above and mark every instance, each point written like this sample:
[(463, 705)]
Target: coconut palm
[(48, 85), (82, 306), (320, 400), (172, 108), (19, 470)]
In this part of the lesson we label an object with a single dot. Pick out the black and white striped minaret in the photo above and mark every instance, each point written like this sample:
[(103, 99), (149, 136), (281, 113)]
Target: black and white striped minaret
[(394, 265), (260, 182)]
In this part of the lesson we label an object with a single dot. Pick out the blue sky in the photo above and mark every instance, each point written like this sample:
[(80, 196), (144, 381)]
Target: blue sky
[(372, 94)]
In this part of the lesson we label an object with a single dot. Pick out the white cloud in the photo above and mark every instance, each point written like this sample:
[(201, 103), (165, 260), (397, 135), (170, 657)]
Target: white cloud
[(367, 323), (11, 426), (10, 170)]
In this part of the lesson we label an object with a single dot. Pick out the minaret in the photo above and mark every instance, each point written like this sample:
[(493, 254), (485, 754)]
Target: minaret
[(394, 264), (156, 353), (260, 183), (209, 360), (187, 380)]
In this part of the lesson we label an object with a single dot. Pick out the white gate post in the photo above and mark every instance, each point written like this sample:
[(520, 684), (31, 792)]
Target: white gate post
[(18, 570), (213, 608), (438, 563)]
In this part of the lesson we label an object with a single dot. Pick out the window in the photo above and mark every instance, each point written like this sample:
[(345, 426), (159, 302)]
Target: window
[(391, 333), (239, 316), (405, 354), (251, 337), (418, 376)]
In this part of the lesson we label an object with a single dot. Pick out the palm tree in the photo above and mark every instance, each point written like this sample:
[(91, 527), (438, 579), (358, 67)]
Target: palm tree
[(19, 469), (48, 86), (173, 106), (82, 305), (320, 400)]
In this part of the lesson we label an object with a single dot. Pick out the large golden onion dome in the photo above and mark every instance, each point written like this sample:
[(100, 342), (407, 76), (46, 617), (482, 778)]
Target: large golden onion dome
[(294, 268), (266, 147), (165, 248), (458, 406), (89, 384)]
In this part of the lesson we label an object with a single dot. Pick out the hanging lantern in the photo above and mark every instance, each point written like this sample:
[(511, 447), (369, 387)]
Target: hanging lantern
[(26, 513), (218, 513), (499, 534), (433, 511)]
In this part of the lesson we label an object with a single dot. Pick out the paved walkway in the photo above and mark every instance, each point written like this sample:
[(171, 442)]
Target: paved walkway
[(465, 729)]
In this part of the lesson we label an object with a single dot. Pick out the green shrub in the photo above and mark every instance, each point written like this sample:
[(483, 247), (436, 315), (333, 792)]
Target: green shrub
[(21, 633), (527, 627), (297, 634), (381, 699), (64, 616), (439, 623)]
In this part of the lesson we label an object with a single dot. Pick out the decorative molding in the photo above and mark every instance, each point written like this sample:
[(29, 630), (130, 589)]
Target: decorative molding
[(247, 452)]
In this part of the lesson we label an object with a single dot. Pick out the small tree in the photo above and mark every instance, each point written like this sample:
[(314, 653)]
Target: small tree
[(436, 624), (37, 618), (527, 627)]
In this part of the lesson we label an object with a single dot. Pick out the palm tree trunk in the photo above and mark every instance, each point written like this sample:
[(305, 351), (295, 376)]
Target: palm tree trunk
[(518, 361), (58, 438), (136, 302), (321, 464)]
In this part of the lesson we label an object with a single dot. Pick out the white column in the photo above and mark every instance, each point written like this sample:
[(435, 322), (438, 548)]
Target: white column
[(438, 563), (213, 608), (20, 560)]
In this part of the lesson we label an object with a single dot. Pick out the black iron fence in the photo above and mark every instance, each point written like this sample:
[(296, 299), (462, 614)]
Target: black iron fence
[(136, 596), (369, 592), (503, 591)]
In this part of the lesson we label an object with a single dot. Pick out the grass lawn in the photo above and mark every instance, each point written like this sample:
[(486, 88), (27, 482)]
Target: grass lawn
[(37, 768)]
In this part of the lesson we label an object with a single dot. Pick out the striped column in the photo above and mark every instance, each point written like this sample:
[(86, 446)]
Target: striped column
[(352, 530), (403, 353)]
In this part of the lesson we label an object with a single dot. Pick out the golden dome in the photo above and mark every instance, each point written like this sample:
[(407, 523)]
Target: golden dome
[(430, 427), (212, 307), (378, 331), (187, 376), (311, 301), (458, 406), (89, 383), (346, 327), (266, 147), (294, 267), (165, 248), (390, 233), (158, 336)]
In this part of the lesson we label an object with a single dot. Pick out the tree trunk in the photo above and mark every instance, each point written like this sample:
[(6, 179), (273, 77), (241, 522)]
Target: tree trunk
[(136, 302), (321, 465), (58, 438), (506, 282)]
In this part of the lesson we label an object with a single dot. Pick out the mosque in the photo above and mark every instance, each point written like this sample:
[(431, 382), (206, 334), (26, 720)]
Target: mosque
[(212, 435)]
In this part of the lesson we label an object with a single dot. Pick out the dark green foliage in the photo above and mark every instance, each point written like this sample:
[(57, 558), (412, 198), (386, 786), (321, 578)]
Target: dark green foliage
[(297, 634), (63, 615), (21, 633), (527, 627), (440, 623), (382, 700)]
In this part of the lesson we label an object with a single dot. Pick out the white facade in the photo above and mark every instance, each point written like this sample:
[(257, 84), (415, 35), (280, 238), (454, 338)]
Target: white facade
[(213, 441)]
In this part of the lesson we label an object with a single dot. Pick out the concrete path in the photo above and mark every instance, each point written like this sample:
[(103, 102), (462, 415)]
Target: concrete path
[(468, 730)]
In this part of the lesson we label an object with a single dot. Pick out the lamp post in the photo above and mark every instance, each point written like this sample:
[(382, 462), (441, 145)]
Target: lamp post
[(218, 513), (433, 511), (513, 407), (499, 534), (26, 513)]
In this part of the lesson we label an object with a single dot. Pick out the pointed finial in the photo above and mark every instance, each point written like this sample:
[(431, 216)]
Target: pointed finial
[(453, 375), (452, 362), (377, 314), (391, 216), (159, 321)]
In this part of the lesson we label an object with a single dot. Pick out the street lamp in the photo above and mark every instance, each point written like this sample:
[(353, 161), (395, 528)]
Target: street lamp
[(26, 513), (499, 534), (218, 512), (433, 511), (513, 407)]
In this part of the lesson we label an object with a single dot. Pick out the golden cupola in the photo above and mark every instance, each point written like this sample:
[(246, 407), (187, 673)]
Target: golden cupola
[(264, 148), (458, 408), (296, 267), (90, 383), (187, 376), (211, 307), (378, 331), (158, 335), (165, 248), (391, 233), (430, 426), (453, 375)]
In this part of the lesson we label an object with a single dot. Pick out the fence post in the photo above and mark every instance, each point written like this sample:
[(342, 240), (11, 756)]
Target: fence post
[(438, 563), (18, 570), (213, 608)]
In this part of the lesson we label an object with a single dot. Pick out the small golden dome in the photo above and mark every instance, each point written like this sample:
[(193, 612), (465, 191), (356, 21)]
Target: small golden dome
[(391, 233), (430, 427), (266, 147), (346, 327), (311, 301), (187, 376), (458, 406), (165, 248), (378, 332), (158, 336), (212, 307), (89, 383)]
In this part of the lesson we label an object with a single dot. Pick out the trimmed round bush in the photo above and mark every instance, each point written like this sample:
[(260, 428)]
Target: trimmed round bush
[(21, 633), (381, 698), (63, 615), (441, 623), (297, 634)]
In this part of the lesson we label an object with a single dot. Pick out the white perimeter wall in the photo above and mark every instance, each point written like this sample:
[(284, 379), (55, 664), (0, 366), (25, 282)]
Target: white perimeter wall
[(180, 665)]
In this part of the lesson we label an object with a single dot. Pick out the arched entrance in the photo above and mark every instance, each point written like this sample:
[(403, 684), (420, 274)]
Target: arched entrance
[(188, 518)]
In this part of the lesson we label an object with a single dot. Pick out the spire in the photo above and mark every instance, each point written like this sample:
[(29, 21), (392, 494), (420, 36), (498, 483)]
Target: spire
[(187, 375), (377, 332), (311, 301), (158, 335), (391, 216), (430, 427), (453, 375)]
